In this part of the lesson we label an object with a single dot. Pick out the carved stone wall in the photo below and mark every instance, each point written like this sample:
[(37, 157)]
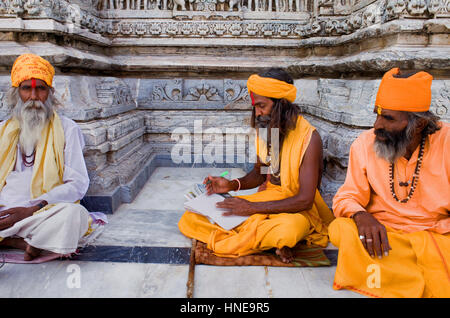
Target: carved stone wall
[(132, 71)]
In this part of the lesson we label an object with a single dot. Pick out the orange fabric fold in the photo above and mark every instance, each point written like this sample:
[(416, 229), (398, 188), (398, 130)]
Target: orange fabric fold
[(412, 94), (28, 66), (417, 265), (271, 87)]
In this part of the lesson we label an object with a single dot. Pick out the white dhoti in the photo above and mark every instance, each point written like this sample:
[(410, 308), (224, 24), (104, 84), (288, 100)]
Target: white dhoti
[(57, 229)]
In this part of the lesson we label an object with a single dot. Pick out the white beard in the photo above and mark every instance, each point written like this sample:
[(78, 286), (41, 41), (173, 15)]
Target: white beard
[(32, 116)]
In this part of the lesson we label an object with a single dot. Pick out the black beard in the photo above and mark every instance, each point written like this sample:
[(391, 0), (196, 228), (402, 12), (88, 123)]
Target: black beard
[(262, 121), (394, 146)]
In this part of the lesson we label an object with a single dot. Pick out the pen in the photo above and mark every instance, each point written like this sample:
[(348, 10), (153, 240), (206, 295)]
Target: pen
[(223, 174)]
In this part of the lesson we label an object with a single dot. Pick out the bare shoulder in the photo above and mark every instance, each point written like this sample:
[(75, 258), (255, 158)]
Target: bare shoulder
[(315, 144)]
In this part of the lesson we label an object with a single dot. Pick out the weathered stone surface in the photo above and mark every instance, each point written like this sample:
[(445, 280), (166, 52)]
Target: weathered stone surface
[(132, 73)]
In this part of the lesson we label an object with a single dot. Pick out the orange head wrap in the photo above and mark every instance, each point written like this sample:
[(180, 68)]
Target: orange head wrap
[(28, 66), (412, 94), (271, 87)]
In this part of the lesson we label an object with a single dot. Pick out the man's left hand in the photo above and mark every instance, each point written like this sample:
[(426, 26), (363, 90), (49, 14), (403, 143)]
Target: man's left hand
[(14, 215), (237, 206)]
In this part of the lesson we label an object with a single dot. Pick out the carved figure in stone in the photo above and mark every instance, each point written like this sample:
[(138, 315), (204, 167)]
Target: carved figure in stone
[(161, 4), (191, 5), (32, 7), (326, 7), (3, 7), (232, 3), (417, 7), (297, 5), (435, 6), (112, 4), (281, 5), (395, 7), (257, 5), (177, 3), (16, 6)]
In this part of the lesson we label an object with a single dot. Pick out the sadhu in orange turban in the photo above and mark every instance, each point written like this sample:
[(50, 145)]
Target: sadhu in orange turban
[(412, 94), (271, 87), (29, 66)]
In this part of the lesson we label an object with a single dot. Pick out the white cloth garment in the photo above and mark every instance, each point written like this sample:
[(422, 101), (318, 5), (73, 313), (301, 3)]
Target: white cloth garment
[(57, 229), (17, 190)]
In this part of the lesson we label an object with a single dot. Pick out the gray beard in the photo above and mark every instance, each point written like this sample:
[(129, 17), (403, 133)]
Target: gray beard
[(389, 152), (262, 121), (395, 148), (32, 117)]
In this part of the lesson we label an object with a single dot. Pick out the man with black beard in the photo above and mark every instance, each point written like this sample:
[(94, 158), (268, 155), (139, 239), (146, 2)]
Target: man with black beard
[(393, 225), (289, 208), (42, 170)]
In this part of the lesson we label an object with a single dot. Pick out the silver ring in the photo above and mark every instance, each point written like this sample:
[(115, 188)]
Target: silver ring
[(362, 237), (369, 240)]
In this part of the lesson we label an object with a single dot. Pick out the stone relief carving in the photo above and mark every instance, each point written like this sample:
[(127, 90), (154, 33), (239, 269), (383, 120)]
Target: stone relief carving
[(113, 92), (203, 92), (341, 21), (179, 92), (170, 92), (442, 103)]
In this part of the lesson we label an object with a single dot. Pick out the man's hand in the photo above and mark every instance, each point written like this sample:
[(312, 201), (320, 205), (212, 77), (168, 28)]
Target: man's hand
[(372, 233), (11, 216), (217, 185), (237, 206)]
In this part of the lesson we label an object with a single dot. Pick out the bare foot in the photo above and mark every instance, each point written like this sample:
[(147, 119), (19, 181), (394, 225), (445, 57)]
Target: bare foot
[(285, 253), (31, 253), (14, 243)]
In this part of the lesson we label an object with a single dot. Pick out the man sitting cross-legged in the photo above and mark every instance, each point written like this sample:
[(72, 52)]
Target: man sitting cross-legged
[(290, 209), (42, 170), (393, 225)]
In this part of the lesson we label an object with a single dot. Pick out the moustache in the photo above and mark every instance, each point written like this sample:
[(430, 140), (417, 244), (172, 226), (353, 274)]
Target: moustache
[(393, 138), (37, 104)]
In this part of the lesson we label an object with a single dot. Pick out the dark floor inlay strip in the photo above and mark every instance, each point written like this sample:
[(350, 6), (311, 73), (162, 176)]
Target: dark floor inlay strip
[(135, 254), (149, 254)]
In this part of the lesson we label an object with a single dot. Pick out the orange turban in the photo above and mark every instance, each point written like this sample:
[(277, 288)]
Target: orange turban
[(28, 66), (412, 94), (270, 87)]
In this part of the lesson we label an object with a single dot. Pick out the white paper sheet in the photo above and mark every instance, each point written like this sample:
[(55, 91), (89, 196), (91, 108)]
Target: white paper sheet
[(206, 205)]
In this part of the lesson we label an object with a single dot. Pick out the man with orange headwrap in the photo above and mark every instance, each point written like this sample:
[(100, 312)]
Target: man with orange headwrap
[(393, 225), (290, 208), (42, 170)]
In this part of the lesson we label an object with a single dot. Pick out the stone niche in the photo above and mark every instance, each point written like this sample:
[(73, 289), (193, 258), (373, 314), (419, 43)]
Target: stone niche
[(142, 76)]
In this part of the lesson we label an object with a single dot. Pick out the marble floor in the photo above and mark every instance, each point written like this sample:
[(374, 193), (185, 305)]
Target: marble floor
[(142, 254)]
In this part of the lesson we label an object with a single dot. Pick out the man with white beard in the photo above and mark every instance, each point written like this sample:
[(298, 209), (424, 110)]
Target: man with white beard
[(42, 170)]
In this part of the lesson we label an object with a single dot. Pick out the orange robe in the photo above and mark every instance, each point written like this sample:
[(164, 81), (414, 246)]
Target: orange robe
[(418, 231), (264, 231)]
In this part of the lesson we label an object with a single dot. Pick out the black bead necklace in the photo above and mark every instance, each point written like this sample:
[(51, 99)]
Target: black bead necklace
[(415, 177)]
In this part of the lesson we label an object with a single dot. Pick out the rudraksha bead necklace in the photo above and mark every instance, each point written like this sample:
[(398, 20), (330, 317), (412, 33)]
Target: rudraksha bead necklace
[(415, 177)]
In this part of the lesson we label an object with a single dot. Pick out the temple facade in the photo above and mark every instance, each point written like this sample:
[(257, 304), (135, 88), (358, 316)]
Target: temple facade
[(145, 77)]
